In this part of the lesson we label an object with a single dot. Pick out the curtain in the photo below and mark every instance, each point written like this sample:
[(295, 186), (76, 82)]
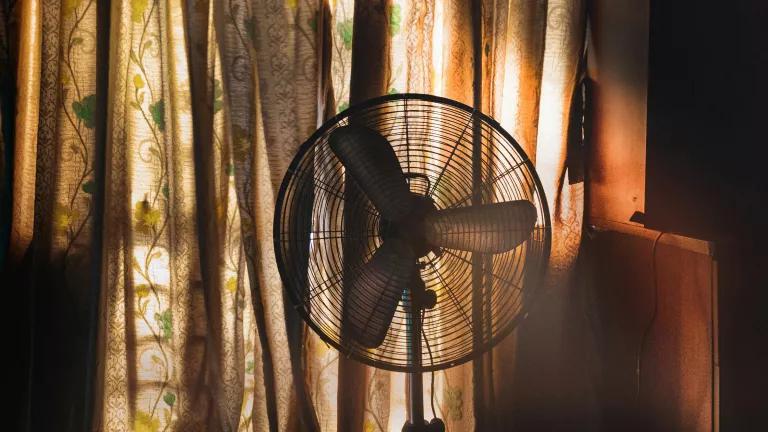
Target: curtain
[(150, 139)]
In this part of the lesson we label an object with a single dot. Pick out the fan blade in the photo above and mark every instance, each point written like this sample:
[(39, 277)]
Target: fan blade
[(371, 161), (488, 228), (373, 294)]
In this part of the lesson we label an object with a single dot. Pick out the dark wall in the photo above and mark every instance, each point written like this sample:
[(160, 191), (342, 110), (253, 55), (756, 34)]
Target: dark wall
[(707, 135), (743, 335)]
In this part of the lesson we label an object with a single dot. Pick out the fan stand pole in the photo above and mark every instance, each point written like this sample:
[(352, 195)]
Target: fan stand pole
[(416, 385), (416, 422)]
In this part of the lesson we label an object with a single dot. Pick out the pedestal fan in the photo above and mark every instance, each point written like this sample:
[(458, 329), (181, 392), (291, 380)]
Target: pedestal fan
[(408, 221)]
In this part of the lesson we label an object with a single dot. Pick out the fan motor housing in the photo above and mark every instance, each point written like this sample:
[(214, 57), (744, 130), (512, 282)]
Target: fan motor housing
[(411, 229)]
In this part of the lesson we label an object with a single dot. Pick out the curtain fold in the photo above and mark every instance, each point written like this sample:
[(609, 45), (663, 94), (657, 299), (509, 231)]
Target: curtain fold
[(206, 104), (542, 43), (25, 131), (369, 77)]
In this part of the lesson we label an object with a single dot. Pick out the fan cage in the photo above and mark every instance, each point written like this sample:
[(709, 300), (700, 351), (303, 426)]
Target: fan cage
[(319, 214)]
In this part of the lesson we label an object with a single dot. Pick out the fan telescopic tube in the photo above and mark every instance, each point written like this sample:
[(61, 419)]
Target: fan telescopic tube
[(374, 293), (489, 228), (371, 162)]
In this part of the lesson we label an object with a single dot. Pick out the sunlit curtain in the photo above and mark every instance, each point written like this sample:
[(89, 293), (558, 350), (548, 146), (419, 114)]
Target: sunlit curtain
[(166, 191), (532, 51)]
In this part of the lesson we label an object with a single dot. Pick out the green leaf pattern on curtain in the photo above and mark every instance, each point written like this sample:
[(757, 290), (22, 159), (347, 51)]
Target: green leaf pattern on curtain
[(72, 211)]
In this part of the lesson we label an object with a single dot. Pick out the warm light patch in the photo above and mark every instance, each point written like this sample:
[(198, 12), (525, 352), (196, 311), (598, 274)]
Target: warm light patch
[(153, 267), (437, 48)]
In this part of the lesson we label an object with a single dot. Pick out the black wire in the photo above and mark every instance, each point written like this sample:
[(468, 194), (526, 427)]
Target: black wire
[(646, 333), (431, 362)]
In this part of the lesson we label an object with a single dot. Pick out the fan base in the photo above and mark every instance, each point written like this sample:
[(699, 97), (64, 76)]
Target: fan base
[(436, 425)]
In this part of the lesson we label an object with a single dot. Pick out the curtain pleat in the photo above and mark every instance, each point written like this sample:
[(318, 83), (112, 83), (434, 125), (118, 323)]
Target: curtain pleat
[(369, 77), (516, 54), (27, 115), (271, 82), (207, 103), (541, 43), (220, 260)]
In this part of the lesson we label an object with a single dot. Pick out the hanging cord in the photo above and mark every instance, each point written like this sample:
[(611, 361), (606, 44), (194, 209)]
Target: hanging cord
[(647, 332), (431, 363)]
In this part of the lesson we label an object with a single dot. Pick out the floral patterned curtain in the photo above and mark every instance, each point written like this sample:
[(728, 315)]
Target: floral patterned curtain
[(161, 179)]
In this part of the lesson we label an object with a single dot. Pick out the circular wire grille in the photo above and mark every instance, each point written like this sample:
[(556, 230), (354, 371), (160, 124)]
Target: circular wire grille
[(325, 230)]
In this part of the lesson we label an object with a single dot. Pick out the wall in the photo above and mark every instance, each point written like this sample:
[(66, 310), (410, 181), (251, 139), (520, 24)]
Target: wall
[(618, 66), (674, 345), (678, 375)]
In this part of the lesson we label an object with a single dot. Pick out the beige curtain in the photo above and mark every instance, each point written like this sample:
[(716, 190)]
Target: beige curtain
[(531, 53), (206, 104)]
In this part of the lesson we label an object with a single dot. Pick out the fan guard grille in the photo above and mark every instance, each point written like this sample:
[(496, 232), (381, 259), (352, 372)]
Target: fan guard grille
[(432, 138)]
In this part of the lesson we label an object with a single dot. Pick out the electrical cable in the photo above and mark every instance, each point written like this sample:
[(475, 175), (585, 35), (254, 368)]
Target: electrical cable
[(647, 331)]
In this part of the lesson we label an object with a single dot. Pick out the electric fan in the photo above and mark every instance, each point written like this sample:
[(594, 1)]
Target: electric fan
[(411, 220)]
